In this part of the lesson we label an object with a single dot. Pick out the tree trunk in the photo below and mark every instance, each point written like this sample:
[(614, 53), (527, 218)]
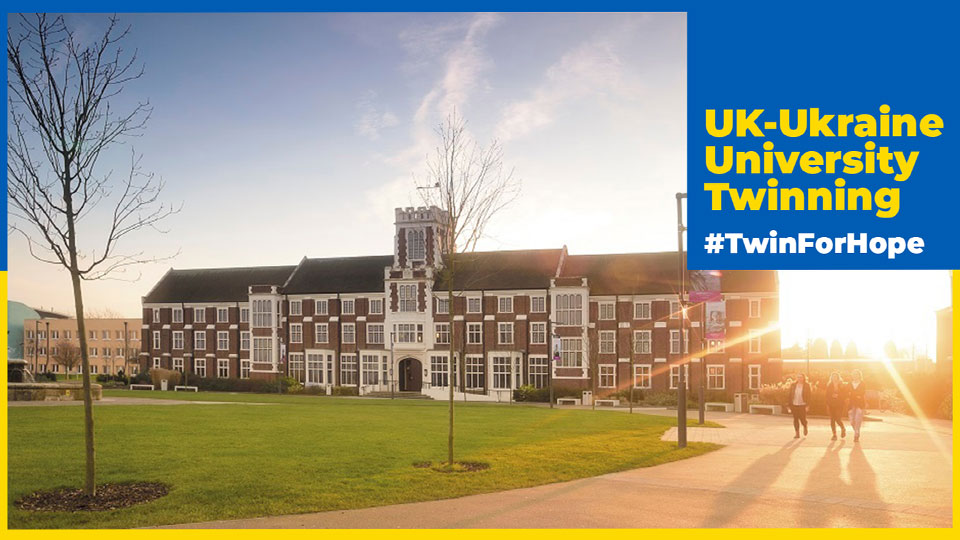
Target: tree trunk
[(450, 381), (90, 483)]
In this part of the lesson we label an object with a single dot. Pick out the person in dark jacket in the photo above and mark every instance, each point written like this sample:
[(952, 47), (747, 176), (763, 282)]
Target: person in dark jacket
[(799, 400), (836, 401), (858, 402)]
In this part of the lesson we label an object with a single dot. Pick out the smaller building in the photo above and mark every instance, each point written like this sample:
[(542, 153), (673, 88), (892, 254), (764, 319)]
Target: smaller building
[(112, 344)]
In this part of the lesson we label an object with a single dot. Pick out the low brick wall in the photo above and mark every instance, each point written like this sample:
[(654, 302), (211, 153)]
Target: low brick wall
[(58, 391)]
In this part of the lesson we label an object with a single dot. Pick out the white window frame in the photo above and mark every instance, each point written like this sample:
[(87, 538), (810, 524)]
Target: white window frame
[(200, 367), (177, 315), (643, 376), (375, 333), (262, 352), (754, 302), (376, 306), (505, 333), (416, 245), (297, 367), (501, 367), (245, 315), (261, 313), (675, 374), (321, 330), (245, 367), (349, 369), (715, 372), (245, 340), (606, 375), (199, 340), (348, 332), (156, 339), (478, 306), (223, 340), (156, 315), (156, 364), (441, 332), (348, 306), (755, 372), (475, 372), (538, 330), (178, 340), (675, 339), (569, 308), (223, 315), (407, 301), (610, 307), (538, 299), (755, 341), (716, 346), (571, 352), (370, 369), (296, 307), (538, 371), (321, 307), (607, 341), (642, 341), (504, 304), (443, 306), (199, 315), (296, 333), (675, 309), (474, 328), (642, 311), (223, 368)]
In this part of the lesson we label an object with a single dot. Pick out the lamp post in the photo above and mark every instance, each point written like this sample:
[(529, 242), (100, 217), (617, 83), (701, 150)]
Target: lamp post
[(682, 380), (392, 334)]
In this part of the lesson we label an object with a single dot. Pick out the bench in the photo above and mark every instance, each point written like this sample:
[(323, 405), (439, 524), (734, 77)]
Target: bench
[(185, 388), (568, 401), (719, 406), (607, 402), (141, 387), (758, 408)]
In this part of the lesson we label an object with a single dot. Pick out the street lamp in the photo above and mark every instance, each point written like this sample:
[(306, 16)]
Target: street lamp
[(392, 336), (682, 380)]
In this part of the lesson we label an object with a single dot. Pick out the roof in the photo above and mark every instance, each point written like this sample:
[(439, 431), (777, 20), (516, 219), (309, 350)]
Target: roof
[(215, 284), (654, 273), (339, 275), (500, 270)]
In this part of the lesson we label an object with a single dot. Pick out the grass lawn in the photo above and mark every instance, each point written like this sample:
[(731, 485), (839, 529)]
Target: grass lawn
[(299, 454)]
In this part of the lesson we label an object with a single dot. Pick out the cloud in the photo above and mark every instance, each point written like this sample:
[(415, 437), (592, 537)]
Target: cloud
[(592, 69), (372, 121)]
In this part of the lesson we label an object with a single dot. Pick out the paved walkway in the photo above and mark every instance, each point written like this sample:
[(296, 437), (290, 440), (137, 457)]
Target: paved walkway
[(126, 401), (899, 475)]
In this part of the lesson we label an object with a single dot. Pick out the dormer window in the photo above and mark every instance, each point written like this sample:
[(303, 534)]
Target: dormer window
[(416, 245)]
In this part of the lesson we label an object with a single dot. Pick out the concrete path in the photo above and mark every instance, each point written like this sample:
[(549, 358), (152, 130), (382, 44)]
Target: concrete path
[(899, 475), (126, 401)]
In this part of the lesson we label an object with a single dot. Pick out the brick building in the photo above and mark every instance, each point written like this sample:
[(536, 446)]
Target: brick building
[(112, 344), (386, 321)]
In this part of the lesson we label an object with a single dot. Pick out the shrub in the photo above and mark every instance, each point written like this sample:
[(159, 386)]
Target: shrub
[(45, 376), (158, 374), (345, 391), (291, 385), (142, 378), (529, 393)]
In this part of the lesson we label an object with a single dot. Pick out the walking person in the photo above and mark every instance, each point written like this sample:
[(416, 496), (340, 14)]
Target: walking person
[(836, 401), (858, 402), (799, 400)]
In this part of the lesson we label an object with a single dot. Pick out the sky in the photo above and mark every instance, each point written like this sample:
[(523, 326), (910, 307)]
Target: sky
[(291, 135)]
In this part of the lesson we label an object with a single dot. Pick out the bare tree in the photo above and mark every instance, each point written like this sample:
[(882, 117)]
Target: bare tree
[(67, 355), (62, 121), (468, 181)]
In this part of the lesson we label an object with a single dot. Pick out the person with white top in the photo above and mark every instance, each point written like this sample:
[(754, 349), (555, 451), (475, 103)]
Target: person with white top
[(799, 399), (857, 394)]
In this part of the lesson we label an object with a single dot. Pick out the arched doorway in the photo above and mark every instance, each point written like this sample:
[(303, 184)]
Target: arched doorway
[(411, 380)]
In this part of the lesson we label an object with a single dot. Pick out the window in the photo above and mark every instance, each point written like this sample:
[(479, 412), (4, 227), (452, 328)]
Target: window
[(200, 367), (223, 368), (156, 364), (245, 367), (370, 369), (42, 335), (244, 315), (716, 345), (178, 340), (407, 295), (349, 333), (716, 378), (641, 310), (376, 306), (474, 333), (754, 341), (94, 351), (315, 369), (505, 304), (156, 315), (321, 307), (55, 334), (263, 350), (178, 315), (608, 375), (262, 313), (753, 379), (675, 341), (178, 364), (569, 309), (505, 334), (439, 371), (223, 341), (320, 333), (56, 368), (754, 308), (93, 369), (296, 366), (501, 372), (608, 311), (200, 340), (348, 369), (409, 333), (473, 304), (199, 315), (416, 245), (156, 339), (223, 315), (608, 341), (538, 333), (105, 334), (538, 304), (475, 372), (296, 333), (443, 306), (571, 352), (244, 341), (675, 376), (374, 334), (443, 333), (296, 307), (674, 310), (642, 341), (538, 371), (349, 307), (642, 376)]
